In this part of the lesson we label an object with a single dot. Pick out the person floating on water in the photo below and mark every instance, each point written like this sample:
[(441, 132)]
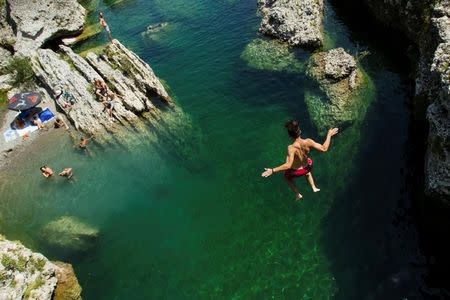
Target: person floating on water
[(46, 171), (297, 161), (84, 141), (67, 172), (105, 25)]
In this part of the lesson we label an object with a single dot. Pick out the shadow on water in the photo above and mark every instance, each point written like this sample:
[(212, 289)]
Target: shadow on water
[(369, 233)]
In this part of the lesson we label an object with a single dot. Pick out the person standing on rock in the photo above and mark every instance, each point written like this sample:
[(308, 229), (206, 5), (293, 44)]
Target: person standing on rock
[(297, 161), (105, 25)]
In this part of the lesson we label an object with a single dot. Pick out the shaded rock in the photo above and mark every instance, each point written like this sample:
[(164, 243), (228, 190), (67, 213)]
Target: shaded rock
[(37, 22), (339, 79), (69, 232), (7, 36), (89, 31), (298, 22), (270, 55), (68, 287), (25, 274), (427, 23), (437, 171)]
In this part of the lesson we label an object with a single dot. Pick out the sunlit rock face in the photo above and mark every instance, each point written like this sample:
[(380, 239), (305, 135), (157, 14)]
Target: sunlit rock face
[(25, 274), (297, 22)]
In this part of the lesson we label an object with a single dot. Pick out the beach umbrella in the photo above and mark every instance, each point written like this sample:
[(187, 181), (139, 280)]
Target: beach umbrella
[(24, 101)]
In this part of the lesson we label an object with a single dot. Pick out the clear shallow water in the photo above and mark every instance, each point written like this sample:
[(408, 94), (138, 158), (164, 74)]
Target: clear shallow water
[(193, 219)]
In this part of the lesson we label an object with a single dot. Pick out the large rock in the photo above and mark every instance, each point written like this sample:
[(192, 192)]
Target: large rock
[(437, 171), (339, 64), (68, 287), (124, 72), (339, 79), (427, 23), (37, 22), (25, 274), (69, 233), (7, 37), (298, 22)]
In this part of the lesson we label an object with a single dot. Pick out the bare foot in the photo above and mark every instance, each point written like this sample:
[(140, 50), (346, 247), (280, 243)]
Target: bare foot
[(298, 197), (315, 190)]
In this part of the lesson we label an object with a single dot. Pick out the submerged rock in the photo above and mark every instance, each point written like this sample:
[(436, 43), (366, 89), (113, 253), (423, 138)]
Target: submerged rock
[(156, 27), (37, 22), (298, 22), (69, 232), (270, 55), (25, 274), (338, 78)]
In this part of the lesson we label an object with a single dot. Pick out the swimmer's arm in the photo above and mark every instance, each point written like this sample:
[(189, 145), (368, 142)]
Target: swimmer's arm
[(287, 165), (326, 144)]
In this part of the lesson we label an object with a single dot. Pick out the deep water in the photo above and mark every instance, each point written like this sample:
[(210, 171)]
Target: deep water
[(184, 213)]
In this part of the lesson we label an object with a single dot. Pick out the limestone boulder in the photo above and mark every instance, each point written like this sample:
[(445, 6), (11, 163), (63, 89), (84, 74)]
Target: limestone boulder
[(37, 22), (297, 22), (25, 274), (69, 233), (339, 80), (338, 64)]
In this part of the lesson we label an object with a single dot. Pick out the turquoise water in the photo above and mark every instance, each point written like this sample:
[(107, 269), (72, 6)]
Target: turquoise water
[(184, 214)]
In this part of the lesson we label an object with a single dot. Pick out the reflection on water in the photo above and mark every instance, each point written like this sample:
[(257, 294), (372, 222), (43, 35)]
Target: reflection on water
[(183, 213)]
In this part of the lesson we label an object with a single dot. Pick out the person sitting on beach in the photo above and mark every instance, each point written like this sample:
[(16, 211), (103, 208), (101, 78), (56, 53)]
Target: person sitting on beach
[(84, 141), (37, 122), (101, 90), (67, 172), (297, 161), (59, 122), (46, 171), (105, 25)]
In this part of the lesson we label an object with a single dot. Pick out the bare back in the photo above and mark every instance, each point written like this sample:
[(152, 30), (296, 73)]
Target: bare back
[(300, 148)]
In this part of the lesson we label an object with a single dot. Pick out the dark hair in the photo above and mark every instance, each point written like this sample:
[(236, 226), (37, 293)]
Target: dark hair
[(293, 128), (43, 167)]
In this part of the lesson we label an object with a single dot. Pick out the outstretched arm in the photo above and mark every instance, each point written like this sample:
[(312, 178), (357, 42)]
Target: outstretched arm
[(326, 144), (283, 167)]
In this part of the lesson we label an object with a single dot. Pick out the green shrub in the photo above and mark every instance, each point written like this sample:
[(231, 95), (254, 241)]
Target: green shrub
[(35, 285), (22, 69)]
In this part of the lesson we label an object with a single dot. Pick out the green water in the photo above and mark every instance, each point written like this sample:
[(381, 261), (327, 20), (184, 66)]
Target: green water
[(184, 214)]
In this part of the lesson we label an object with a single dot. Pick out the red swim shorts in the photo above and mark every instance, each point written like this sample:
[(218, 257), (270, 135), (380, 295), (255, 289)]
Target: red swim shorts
[(291, 173)]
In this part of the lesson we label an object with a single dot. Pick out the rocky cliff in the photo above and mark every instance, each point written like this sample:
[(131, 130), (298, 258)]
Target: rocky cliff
[(26, 27), (427, 23), (25, 274)]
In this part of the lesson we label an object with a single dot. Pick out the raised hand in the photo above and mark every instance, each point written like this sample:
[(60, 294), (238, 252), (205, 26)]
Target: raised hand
[(333, 131)]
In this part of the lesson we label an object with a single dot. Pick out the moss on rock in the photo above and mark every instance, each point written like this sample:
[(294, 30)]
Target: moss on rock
[(271, 55)]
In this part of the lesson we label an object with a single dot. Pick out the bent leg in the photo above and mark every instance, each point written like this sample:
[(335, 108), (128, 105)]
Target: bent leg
[(310, 180), (291, 184)]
